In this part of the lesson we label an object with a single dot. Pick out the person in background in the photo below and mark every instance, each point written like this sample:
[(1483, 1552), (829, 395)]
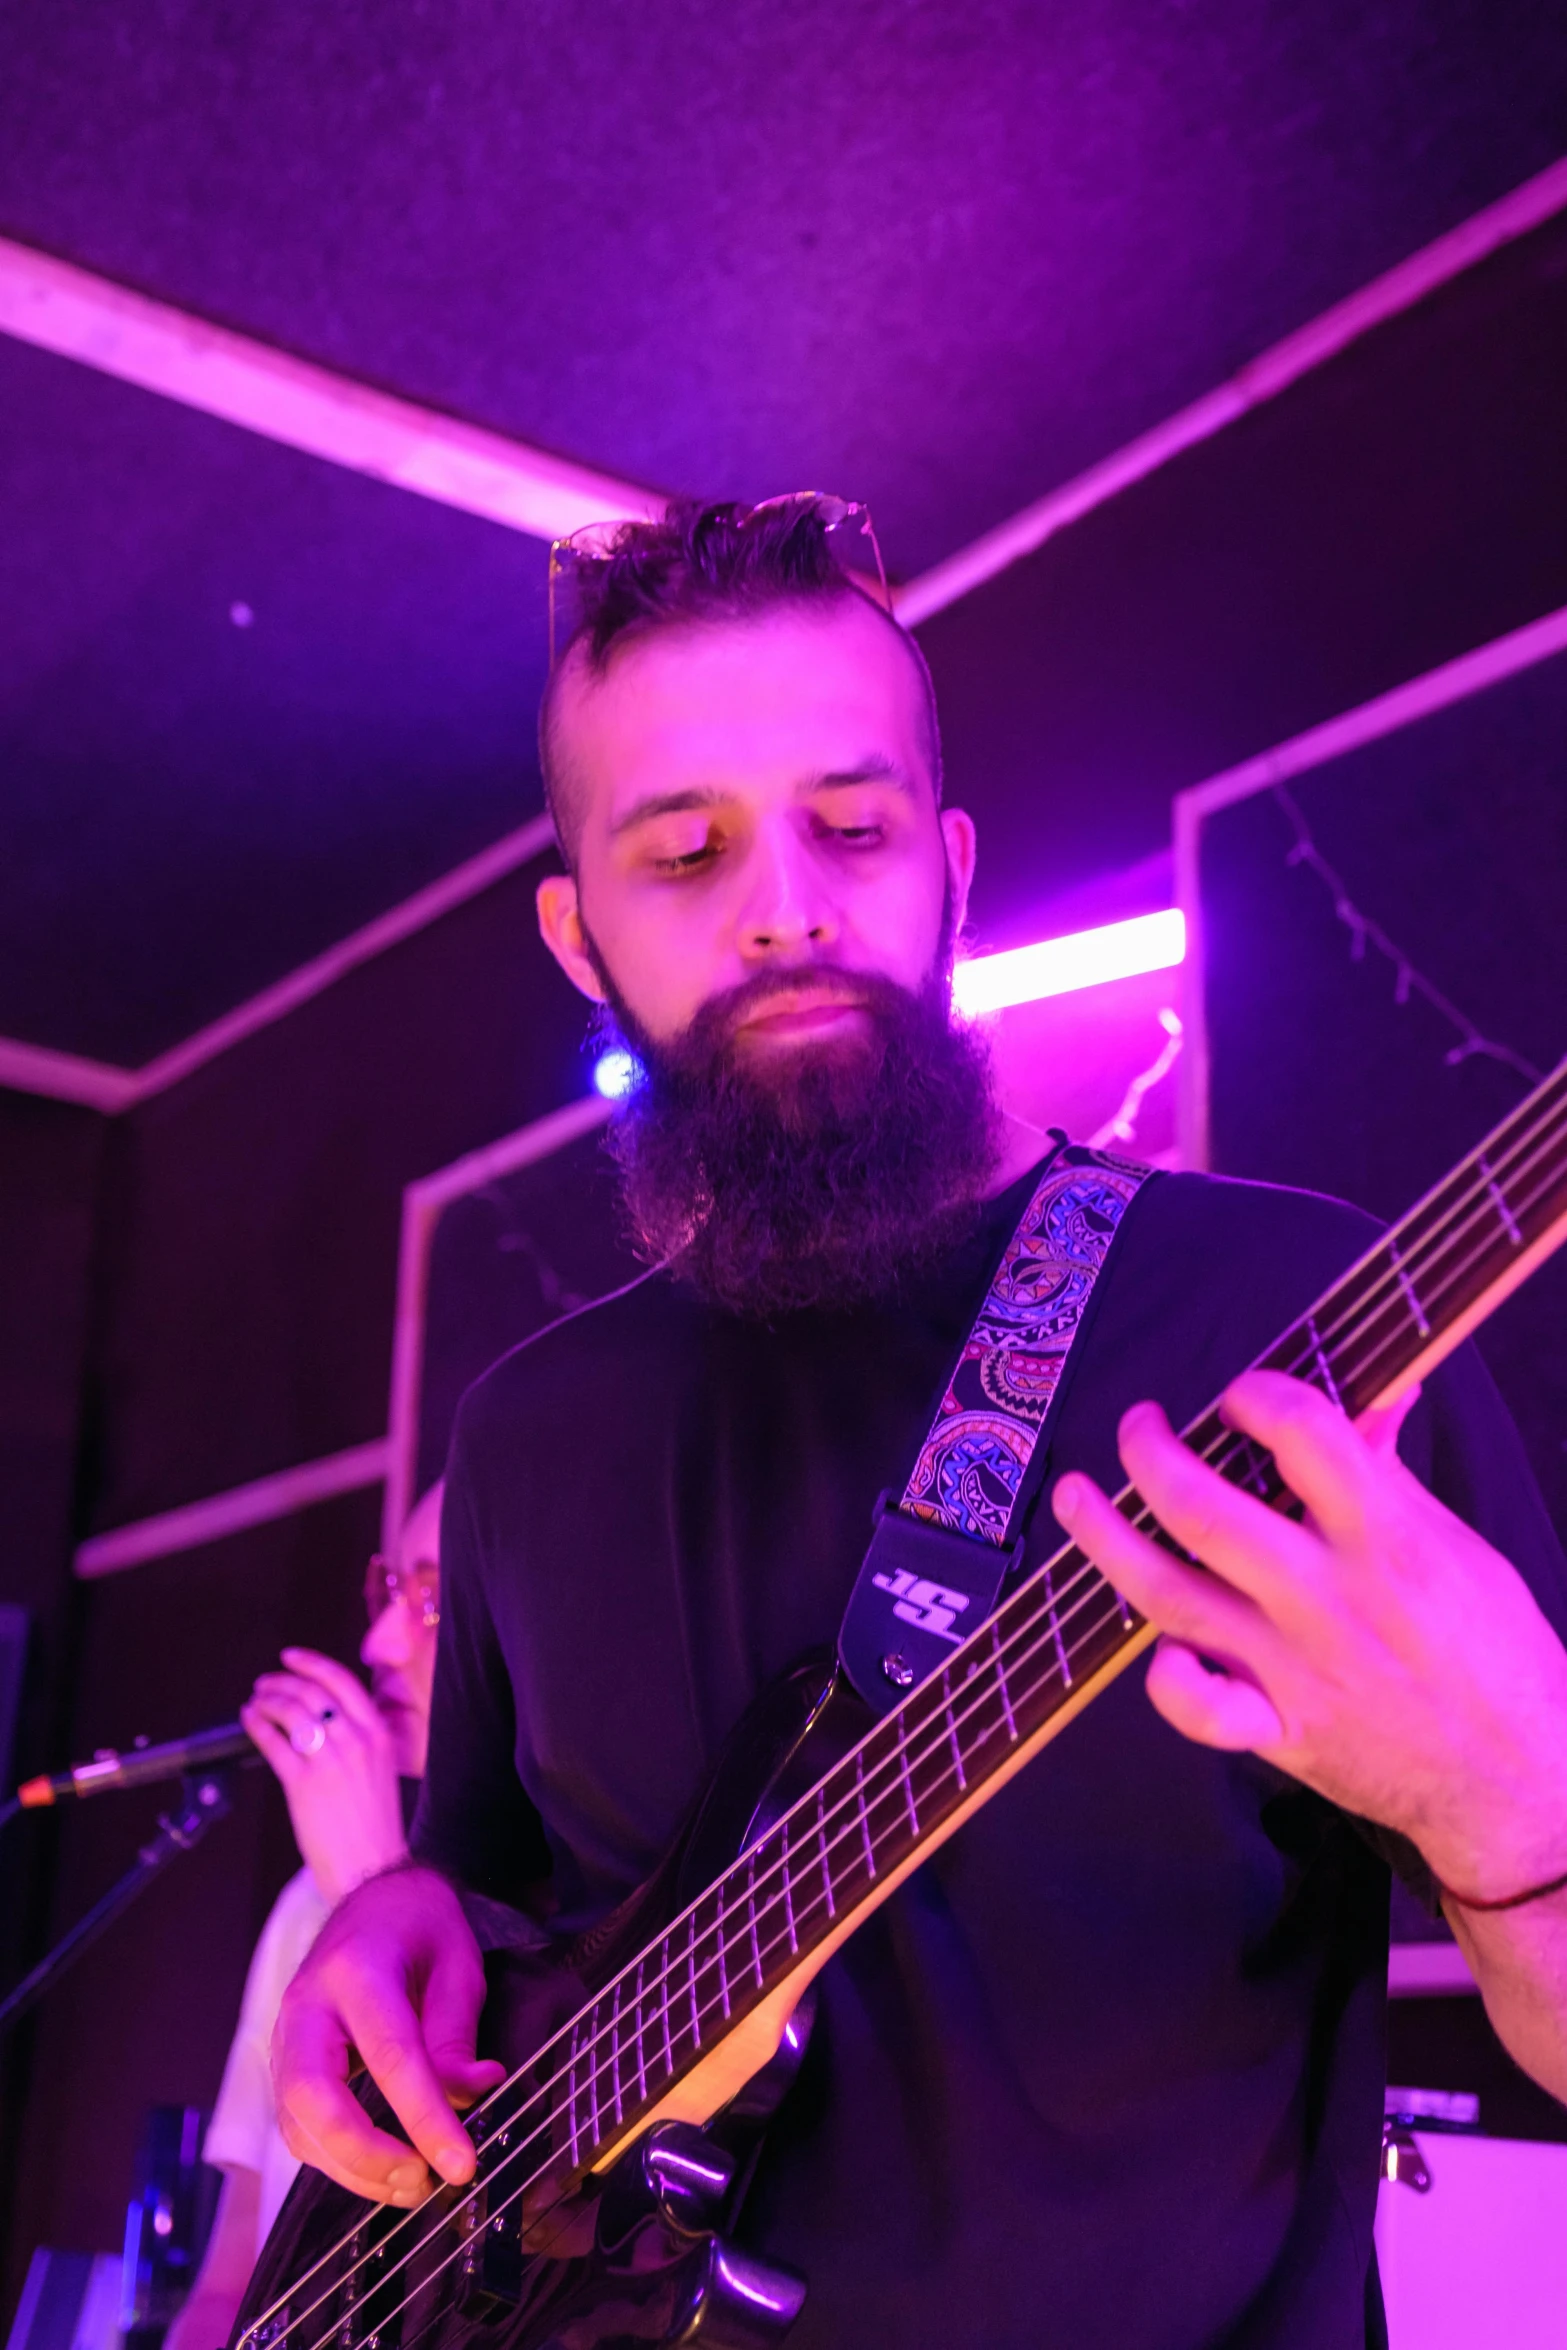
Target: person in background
[(340, 1752)]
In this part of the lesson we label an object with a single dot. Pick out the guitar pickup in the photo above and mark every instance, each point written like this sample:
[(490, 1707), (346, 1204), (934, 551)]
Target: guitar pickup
[(490, 2271)]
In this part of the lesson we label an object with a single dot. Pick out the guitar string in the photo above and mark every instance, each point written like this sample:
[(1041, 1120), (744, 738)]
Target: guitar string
[(343, 2318), (717, 1929), (717, 1932), (1497, 1156), (1235, 1441)]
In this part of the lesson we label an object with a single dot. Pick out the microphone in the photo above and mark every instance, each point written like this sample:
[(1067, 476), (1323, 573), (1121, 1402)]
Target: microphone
[(109, 1769)]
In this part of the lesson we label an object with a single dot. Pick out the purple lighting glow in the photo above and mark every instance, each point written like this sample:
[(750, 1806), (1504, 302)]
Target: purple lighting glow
[(1057, 966)]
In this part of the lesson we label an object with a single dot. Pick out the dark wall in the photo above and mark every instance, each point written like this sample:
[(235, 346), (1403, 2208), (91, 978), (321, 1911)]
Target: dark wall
[(1398, 506), (49, 1165), (253, 1210), (1453, 836), (241, 1323)]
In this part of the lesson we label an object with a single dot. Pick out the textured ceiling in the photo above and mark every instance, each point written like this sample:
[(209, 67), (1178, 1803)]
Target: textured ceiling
[(943, 256)]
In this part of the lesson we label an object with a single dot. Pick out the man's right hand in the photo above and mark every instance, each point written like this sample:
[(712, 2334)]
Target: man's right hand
[(394, 1977)]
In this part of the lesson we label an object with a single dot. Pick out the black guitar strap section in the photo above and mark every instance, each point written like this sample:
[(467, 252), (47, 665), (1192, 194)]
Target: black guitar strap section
[(941, 1553)]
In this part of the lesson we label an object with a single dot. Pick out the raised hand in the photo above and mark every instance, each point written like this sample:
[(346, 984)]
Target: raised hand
[(321, 1731)]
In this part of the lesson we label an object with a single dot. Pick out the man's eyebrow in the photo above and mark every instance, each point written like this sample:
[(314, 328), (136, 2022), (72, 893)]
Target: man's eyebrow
[(671, 803), (878, 768)]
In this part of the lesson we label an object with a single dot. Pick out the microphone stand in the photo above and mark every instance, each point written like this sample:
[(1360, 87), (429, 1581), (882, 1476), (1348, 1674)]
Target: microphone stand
[(206, 1796)]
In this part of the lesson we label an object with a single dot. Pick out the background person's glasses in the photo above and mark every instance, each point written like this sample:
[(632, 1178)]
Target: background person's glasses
[(846, 523), (418, 1586)]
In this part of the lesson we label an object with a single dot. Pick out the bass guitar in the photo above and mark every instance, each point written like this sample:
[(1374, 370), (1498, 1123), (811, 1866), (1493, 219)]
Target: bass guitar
[(645, 2060)]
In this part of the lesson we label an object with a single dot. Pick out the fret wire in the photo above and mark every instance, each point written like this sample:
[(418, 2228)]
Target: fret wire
[(593, 2074), (952, 1729), (1001, 1680), (908, 1784), (571, 2102), (696, 2020), (1328, 1380), (1509, 1224), (788, 1891), (1406, 1285), (720, 1941), (1050, 1603), (750, 1903), (641, 2032), (859, 1795), (666, 1972), (821, 1830), (615, 2053)]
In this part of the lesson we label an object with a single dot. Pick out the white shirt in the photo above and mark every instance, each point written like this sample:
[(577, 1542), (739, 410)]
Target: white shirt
[(243, 2133)]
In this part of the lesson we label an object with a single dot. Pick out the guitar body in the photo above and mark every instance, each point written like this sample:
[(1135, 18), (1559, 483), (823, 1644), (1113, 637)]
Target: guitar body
[(639, 2253)]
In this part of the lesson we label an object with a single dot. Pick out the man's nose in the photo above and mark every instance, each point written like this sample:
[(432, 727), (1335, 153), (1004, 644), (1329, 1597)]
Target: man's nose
[(786, 905)]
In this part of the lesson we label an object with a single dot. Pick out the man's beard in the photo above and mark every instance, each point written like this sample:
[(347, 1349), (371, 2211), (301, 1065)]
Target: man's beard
[(825, 1177)]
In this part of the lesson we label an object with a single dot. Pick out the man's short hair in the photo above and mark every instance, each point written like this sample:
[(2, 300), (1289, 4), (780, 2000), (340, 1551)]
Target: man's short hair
[(699, 563)]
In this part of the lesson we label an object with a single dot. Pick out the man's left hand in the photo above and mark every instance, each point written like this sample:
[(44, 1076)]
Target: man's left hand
[(1381, 1652)]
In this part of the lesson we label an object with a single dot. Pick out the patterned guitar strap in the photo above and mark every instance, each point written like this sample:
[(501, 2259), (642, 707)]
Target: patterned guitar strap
[(940, 1555)]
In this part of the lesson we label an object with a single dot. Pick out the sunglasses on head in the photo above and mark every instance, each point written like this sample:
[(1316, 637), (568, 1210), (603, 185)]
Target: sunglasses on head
[(846, 523)]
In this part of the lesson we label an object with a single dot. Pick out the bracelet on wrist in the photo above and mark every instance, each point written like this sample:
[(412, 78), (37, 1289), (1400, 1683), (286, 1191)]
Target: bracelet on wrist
[(1508, 1901)]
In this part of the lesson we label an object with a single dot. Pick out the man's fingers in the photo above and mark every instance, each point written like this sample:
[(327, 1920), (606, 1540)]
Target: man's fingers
[(452, 1999), (1322, 1457), (387, 2034), (321, 2119), (1254, 1548), (468, 2079), (1222, 1709), (1179, 1598)]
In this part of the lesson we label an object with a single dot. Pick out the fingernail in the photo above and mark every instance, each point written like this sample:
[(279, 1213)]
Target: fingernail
[(407, 2178), (1068, 1499)]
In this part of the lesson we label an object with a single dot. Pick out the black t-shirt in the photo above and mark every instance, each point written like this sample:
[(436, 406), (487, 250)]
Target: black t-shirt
[(1108, 2070)]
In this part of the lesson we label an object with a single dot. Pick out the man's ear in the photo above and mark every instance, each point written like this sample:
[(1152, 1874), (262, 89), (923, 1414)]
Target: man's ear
[(957, 833), (560, 927)]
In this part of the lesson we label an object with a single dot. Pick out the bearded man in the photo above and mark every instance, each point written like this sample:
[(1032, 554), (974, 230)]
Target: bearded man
[(1108, 2070)]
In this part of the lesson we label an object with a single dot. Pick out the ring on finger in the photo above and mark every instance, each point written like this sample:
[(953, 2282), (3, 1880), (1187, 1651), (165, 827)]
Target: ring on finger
[(309, 1738)]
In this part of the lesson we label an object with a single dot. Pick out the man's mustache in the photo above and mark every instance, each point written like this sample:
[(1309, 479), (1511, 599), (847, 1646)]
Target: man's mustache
[(723, 1013)]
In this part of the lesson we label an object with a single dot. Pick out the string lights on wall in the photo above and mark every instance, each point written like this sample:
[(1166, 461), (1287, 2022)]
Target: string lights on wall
[(1408, 980)]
